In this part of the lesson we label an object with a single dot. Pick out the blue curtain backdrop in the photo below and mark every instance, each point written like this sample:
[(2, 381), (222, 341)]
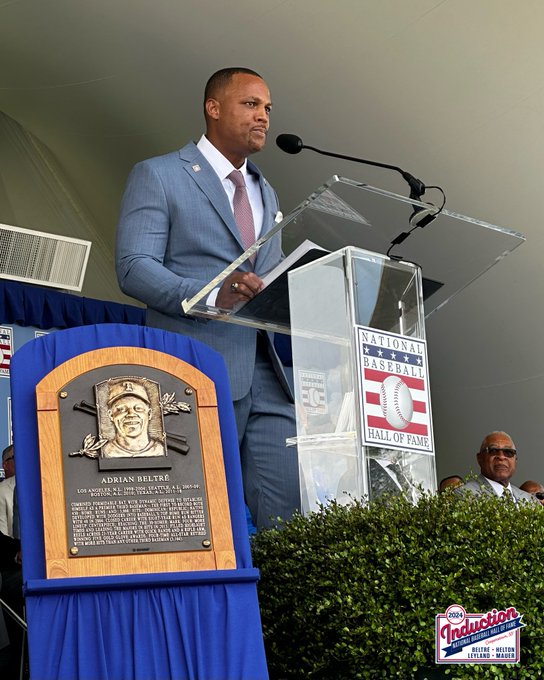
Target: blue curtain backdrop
[(198, 625), (45, 308)]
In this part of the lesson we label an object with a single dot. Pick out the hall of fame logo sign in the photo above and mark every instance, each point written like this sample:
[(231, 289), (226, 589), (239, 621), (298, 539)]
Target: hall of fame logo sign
[(313, 391), (492, 637), (395, 398)]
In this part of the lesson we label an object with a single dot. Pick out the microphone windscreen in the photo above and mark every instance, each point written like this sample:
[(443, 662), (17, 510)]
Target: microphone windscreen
[(289, 143)]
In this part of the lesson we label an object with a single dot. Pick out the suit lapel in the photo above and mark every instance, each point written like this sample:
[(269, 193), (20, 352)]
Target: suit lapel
[(517, 493), (482, 481), (201, 172)]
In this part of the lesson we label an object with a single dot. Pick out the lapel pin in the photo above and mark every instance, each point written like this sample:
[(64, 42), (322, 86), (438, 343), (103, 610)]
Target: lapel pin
[(196, 168)]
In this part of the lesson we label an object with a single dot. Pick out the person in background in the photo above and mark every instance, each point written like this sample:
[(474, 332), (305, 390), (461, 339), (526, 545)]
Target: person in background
[(11, 594), (453, 481), (535, 489), (7, 490), (497, 459)]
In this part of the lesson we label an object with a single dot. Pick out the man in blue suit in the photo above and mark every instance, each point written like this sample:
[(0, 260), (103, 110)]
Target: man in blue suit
[(177, 231)]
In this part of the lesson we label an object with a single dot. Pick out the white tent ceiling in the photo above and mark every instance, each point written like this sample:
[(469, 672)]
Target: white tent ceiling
[(451, 90)]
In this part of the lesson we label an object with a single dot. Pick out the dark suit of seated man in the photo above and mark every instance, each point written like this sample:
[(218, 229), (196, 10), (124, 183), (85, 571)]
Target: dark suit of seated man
[(497, 459), (11, 593)]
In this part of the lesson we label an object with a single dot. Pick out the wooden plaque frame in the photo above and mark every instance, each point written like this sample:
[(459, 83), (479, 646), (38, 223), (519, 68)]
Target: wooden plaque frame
[(58, 562)]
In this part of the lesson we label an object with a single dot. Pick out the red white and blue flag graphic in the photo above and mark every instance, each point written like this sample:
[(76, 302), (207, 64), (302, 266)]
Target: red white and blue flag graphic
[(395, 399), (6, 350)]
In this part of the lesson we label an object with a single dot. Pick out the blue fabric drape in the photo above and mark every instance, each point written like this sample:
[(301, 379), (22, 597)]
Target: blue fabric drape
[(46, 308), (198, 626)]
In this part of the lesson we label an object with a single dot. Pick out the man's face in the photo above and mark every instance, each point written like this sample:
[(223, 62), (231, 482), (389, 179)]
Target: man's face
[(240, 117), (130, 415), (534, 488), (540, 491), (8, 463), (494, 463)]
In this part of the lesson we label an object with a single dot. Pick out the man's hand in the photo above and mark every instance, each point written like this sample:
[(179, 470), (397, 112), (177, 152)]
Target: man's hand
[(238, 287)]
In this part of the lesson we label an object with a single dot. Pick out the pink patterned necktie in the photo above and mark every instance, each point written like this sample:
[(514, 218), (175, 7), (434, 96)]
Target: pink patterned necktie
[(242, 211)]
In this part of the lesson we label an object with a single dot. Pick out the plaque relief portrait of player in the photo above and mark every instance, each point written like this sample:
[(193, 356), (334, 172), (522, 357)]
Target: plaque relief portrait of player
[(130, 418)]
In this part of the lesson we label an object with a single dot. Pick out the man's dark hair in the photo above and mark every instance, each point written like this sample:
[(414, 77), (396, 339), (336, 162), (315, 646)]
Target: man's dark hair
[(221, 79), (7, 451), (446, 479)]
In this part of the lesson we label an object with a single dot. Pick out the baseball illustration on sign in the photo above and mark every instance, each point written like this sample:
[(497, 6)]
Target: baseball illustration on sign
[(395, 401)]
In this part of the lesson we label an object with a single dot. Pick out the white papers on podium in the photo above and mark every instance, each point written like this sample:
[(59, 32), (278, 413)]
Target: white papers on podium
[(272, 303)]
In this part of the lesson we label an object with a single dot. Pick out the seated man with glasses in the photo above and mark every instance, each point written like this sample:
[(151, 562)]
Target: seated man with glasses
[(535, 489), (497, 459)]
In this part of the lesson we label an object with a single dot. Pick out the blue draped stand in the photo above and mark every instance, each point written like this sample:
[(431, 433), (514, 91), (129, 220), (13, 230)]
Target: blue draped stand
[(194, 626)]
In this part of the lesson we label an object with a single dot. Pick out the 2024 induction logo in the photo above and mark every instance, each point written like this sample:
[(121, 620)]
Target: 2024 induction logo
[(492, 637)]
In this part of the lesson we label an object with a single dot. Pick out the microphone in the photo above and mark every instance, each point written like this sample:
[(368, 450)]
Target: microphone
[(293, 144), (289, 143)]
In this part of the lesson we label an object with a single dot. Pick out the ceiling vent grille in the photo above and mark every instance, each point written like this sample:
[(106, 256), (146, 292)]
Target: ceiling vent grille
[(46, 259)]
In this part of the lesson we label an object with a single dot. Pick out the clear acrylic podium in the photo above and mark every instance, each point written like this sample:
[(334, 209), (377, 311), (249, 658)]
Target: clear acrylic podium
[(355, 288), (356, 285)]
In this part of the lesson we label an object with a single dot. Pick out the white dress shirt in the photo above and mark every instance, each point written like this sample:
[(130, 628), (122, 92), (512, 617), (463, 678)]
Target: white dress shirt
[(499, 488), (223, 167)]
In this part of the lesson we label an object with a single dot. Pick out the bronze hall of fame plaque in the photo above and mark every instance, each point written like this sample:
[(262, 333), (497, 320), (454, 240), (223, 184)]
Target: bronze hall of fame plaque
[(132, 463)]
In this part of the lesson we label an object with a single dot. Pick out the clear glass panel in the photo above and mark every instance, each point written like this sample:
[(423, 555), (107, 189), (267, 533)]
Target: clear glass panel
[(328, 299), (399, 473), (452, 251)]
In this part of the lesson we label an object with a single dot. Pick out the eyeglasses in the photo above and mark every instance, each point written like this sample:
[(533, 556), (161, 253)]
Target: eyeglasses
[(495, 450), (539, 495)]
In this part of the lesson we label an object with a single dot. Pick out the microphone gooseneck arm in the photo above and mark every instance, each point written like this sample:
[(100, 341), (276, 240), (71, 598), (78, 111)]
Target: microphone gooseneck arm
[(293, 144), (420, 217), (417, 188)]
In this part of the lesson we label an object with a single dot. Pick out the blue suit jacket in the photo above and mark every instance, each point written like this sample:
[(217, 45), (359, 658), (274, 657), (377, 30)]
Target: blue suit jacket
[(176, 232)]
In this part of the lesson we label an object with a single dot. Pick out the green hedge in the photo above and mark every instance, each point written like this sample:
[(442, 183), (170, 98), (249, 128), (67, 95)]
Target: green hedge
[(352, 592)]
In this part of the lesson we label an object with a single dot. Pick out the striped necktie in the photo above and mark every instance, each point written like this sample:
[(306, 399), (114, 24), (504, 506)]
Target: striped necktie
[(507, 496), (242, 211)]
